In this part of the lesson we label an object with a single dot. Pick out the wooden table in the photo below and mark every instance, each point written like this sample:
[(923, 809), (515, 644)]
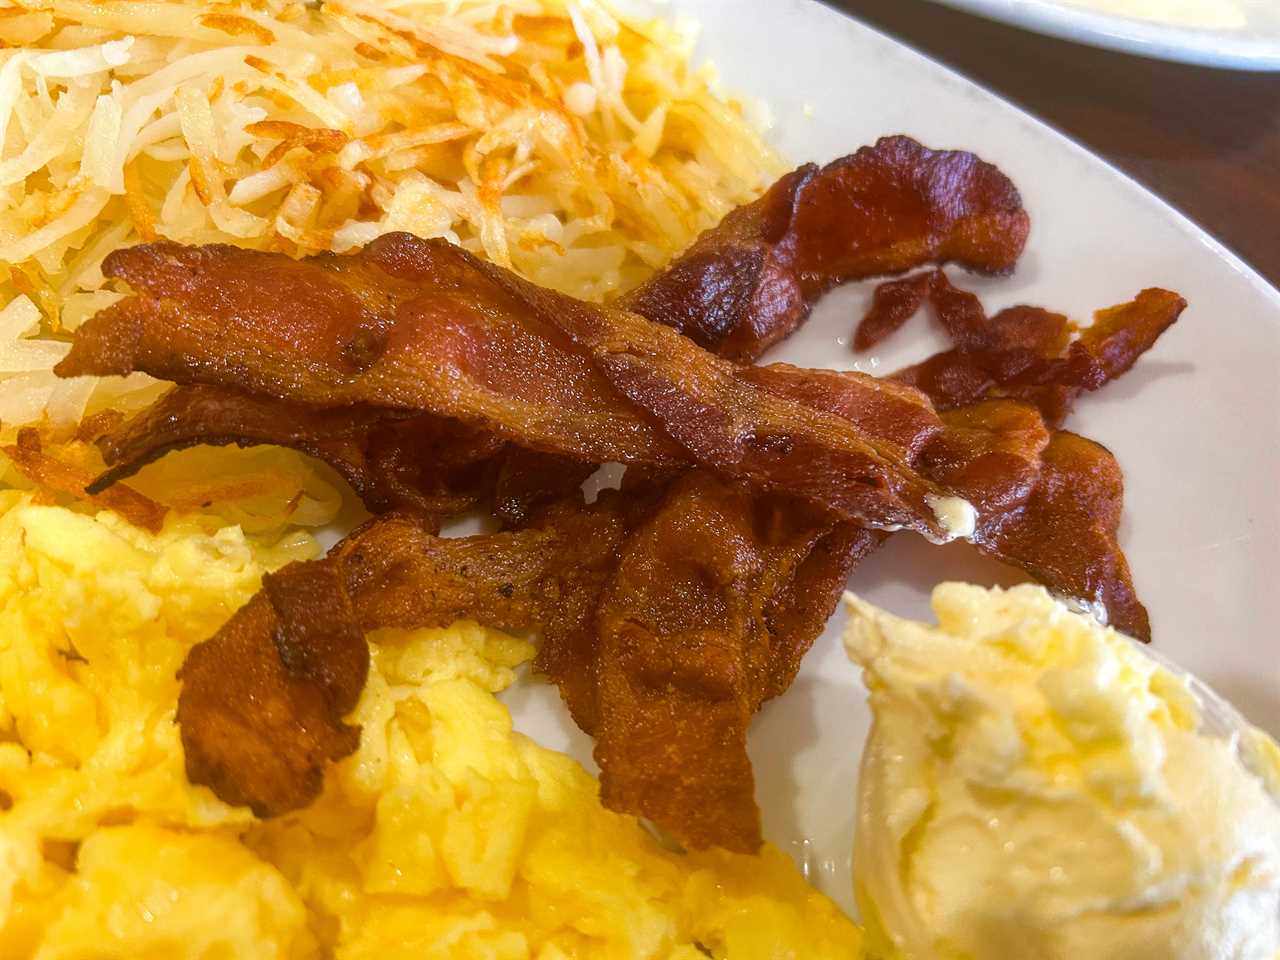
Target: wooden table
[(1208, 141)]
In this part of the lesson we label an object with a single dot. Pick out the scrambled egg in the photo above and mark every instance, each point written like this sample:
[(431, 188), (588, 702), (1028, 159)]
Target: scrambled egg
[(445, 835), (1035, 785)]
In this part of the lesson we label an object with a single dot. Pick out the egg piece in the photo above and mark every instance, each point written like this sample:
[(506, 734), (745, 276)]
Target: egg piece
[(144, 892), (447, 834)]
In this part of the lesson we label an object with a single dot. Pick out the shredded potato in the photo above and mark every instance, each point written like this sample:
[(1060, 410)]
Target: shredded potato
[(555, 137)]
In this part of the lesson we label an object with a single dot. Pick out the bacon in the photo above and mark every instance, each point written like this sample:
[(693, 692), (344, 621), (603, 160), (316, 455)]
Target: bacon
[(798, 613), (731, 281), (188, 416), (522, 481), (893, 303), (255, 728), (990, 456), (262, 702), (575, 380), (1067, 532), (1026, 353), (712, 604), (667, 628), (871, 451), (391, 459), (408, 324), (1037, 357), (547, 574), (431, 464), (749, 282), (669, 612), (685, 656), (998, 455)]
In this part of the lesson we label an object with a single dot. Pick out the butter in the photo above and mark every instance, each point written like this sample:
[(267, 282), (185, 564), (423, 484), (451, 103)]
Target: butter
[(1036, 786), (956, 516)]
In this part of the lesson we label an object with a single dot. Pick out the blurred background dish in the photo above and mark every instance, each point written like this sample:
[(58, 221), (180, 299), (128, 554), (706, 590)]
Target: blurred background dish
[(1239, 34)]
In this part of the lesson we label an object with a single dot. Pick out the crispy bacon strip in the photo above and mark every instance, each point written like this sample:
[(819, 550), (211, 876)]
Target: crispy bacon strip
[(686, 655), (750, 281), (405, 323), (786, 428), (476, 343), (262, 703), (854, 459), (254, 730), (716, 599), (1078, 496), (893, 303), (188, 416), (390, 458), (799, 612), (851, 443), (990, 454), (1026, 353), (1000, 456), (547, 574), (39, 466)]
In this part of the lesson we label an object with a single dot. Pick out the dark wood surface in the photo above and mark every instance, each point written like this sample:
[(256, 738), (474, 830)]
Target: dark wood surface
[(1208, 141)]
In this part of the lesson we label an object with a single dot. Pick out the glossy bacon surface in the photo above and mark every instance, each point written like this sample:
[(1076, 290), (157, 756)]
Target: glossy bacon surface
[(750, 281), (421, 326), (408, 324)]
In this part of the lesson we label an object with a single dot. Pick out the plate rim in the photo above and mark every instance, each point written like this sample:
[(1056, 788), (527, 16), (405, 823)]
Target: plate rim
[(1025, 116)]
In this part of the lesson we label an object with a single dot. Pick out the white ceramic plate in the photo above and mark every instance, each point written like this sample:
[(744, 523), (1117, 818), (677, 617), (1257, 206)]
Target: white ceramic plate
[(1240, 34), (1196, 425)]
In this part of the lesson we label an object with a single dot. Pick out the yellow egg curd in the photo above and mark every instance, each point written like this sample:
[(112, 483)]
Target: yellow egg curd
[(447, 834)]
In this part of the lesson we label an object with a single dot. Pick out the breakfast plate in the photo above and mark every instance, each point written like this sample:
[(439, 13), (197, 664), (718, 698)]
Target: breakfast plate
[(1196, 427), (1239, 34), (320, 319)]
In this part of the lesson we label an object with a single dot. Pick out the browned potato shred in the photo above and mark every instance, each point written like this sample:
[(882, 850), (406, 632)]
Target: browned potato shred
[(562, 140)]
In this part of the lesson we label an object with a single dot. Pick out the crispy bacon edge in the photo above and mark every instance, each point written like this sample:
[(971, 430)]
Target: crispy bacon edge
[(262, 705), (750, 281), (392, 459), (1024, 352)]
